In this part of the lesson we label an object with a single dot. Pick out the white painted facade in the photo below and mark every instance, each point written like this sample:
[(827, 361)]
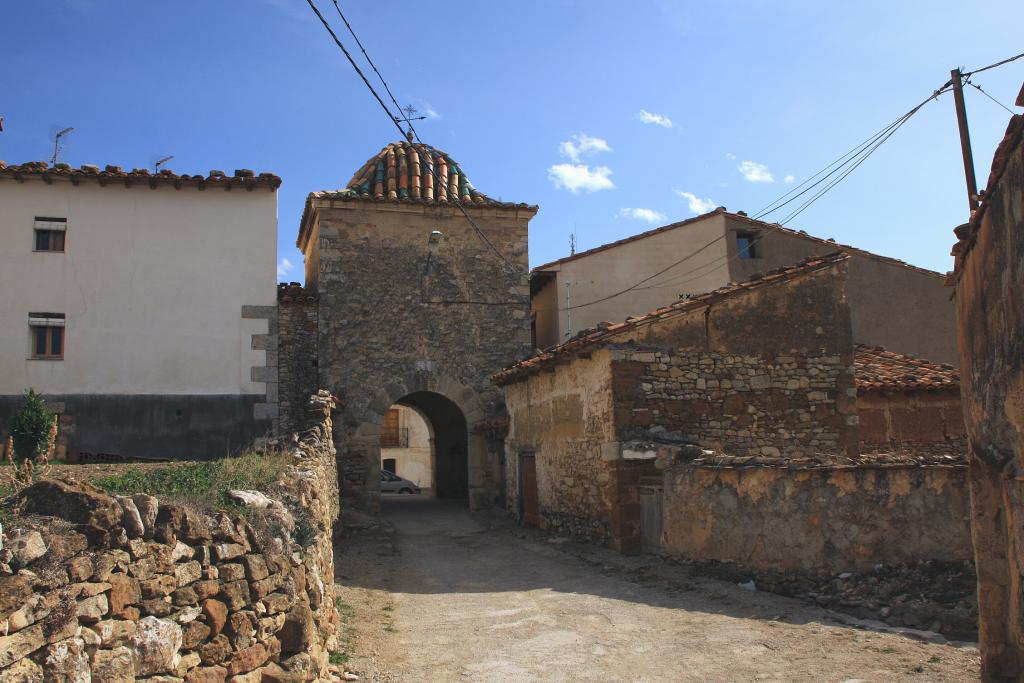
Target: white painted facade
[(416, 462), (151, 282)]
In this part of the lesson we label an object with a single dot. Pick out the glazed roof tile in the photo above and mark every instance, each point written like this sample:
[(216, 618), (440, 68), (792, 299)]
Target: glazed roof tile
[(880, 370), (242, 178), (413, 172), (607, 331), (832, 245)]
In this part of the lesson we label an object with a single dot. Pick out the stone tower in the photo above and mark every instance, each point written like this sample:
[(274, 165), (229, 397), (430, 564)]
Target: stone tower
[(416, 306)]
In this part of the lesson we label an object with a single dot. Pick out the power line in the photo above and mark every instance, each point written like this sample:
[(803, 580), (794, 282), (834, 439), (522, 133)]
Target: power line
[(992, 66), (412, 129), (370, 61), (355, 66), (854, 156), (969, 82)]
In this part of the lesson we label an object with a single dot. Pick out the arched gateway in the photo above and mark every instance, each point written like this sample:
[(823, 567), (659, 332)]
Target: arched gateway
[(408, 302)]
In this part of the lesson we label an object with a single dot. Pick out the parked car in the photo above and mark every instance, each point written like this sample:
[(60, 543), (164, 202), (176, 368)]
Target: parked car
[(392, 483)]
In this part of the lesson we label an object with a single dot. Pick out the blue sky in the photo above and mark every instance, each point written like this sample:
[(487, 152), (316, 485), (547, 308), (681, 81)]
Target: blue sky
[(613, 117)]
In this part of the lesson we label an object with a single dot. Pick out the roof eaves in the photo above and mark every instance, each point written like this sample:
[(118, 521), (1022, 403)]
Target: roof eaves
[(603, 334)]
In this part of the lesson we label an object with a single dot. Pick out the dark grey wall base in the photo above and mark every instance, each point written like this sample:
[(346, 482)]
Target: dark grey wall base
[(154, 426)]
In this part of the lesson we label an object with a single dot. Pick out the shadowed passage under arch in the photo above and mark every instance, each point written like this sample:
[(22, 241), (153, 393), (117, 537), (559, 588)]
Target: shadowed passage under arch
[(450, 441)]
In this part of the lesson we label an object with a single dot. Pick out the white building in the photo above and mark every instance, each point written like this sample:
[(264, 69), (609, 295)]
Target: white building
[(140, 304)]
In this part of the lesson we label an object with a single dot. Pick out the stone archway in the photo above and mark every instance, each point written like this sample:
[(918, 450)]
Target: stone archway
[(449, 442), (453, 409)]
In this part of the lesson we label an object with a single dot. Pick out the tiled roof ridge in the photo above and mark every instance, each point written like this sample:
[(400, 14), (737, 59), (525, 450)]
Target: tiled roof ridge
[(415, 172), (588, 338), (880, 369), (741, 217), (108, 174), (966, 233), (293, 292)]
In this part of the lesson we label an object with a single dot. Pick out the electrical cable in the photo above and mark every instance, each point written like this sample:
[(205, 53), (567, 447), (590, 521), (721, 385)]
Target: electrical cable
[(969, 82), (992, 66), (412, 129), (355, 66)]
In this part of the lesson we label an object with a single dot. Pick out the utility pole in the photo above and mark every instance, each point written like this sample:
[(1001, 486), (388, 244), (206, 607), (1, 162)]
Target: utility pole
[(965, 138)]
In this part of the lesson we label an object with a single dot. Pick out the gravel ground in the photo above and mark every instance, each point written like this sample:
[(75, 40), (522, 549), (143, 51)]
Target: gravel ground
[(437, 594)]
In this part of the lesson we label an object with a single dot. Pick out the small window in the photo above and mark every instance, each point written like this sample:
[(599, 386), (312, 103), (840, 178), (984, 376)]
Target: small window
[(49, 233), (746, 245), (47, 335)]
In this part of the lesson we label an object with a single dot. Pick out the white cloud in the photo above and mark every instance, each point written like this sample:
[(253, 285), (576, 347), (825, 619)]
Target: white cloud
[(649, 215), (730, 156), (657, 119), (697, 205), (576, 177), (284, 267), (581, 145), (755, 172), (788, 179)]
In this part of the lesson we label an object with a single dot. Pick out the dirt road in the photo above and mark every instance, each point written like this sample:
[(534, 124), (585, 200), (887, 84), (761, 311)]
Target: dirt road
[(451, 597)]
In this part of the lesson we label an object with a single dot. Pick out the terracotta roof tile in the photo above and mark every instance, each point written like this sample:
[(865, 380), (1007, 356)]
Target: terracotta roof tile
[(878, 369), (413, 172), (605, 332), (242, 178), (832, 245)]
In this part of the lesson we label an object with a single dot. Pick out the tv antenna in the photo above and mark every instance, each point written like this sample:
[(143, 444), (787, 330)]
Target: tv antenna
[(572, 241), (161, 162), (56, 144)]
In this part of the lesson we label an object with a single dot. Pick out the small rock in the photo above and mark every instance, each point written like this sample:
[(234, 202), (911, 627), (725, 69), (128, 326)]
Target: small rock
[(216, 615), (156, 644), (26, 548), (67, 662), (255, 499), (131, 519), (181, 552), (113, 666), (148, 507), (23, 671)]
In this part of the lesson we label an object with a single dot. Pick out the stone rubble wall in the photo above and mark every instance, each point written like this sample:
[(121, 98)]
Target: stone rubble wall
[(791, 404), (837, 518), (117, 589), (297, 316), (766, 373)]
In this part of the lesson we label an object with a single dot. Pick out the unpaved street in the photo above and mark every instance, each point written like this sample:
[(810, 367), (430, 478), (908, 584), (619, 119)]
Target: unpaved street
[(451, 597)]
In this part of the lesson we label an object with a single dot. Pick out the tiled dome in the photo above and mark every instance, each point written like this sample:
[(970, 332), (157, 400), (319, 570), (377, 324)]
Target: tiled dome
[(406, 171)]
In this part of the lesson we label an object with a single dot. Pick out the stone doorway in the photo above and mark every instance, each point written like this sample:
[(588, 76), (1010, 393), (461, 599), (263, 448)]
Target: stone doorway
[(427, 437)]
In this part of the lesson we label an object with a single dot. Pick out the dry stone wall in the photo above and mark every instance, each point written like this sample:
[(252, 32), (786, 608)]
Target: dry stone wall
[(117, 589), (791, 404)]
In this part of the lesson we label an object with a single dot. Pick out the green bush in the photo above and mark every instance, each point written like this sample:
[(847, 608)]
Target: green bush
[(31, 427)]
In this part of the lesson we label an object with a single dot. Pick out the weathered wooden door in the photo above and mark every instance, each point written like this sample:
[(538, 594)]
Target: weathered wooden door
[(528, 489), (650, 516)]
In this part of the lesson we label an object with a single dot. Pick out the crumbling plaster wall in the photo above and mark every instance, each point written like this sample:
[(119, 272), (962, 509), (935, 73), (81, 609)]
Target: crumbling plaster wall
[(833, 518), (990, 325), (768, 372), (389, 328), (565, 419)]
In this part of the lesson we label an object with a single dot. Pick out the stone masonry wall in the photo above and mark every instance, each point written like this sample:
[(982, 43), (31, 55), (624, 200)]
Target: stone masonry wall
[(104, 589), (816, 517), (565, 419), (990, 331), (745, 404), (297, 353), (767, 373), (391, 326)]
